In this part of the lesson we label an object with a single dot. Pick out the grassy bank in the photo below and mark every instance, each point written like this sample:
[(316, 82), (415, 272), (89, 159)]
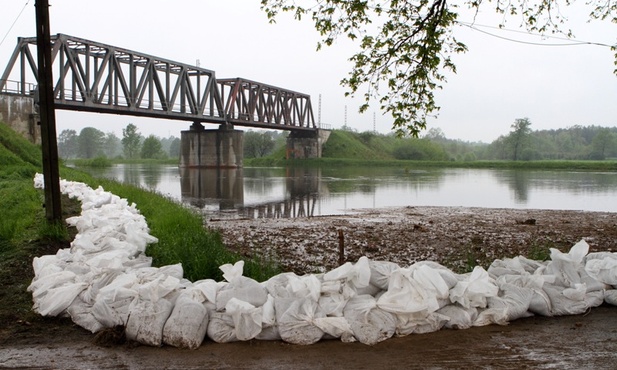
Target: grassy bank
[(343, 162), (180, 230)]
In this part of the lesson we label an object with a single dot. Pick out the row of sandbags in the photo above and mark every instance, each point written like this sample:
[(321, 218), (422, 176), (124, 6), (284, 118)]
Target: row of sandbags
[(104, 280)]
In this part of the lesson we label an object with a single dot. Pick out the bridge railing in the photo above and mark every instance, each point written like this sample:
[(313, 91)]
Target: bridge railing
[(16, 87)]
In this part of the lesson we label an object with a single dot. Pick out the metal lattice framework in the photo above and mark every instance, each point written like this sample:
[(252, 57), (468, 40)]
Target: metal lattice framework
[(95, 77), (251, 103)]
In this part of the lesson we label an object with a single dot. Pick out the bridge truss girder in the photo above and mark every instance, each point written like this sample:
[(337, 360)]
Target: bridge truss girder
[(251, 103), (95, 77)]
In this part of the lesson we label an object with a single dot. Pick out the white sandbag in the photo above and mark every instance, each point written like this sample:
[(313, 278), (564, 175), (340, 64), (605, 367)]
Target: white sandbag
[(511, 304), (269, 328), (296, 317), (246, 318), (81, 314), (231, 272), (446, 274), (244, 289), (562, 305), (221, 328), (208, 288), (507, 266), (357, 275), (369, 324), (57, 300), (42, 285), (432, 281), (112, 306), (146, 321), (335, 327), (610, 297), (603, 270), (187, 325), (380, 273), (565, 266), (407, 324), (407, 296), (473, 290), (370, 289), (290, 285), (334, 296), (458, 316)]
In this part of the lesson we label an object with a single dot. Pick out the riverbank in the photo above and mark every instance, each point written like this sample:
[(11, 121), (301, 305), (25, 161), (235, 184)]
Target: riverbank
[(457, 237), (398, 234)]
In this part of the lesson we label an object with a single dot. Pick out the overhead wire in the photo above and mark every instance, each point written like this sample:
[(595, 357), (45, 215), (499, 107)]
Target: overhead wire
[(13, 24), (571, 42)]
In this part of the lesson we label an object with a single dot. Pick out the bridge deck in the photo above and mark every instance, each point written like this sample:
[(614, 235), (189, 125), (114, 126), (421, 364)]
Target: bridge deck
[(95, 77)]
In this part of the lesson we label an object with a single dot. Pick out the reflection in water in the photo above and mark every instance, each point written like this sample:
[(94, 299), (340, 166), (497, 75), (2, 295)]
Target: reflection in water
[(520, 185), (152, 177), (305, 192), (207, 186), (299, 206)]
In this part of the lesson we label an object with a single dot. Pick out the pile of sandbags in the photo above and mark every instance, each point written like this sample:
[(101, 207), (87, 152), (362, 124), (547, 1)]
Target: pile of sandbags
[(104, 280)]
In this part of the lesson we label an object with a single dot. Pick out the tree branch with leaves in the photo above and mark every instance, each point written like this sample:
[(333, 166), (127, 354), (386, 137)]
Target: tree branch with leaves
[(405, 47)]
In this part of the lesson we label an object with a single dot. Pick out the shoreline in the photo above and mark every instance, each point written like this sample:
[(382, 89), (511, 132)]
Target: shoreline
[(457, 237)]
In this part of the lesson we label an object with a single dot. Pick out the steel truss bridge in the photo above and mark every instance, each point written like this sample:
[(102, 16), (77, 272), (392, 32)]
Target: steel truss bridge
[(94, 77)]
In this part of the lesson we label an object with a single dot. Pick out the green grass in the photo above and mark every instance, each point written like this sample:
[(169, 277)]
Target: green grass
[(180, 230), (98, 162)]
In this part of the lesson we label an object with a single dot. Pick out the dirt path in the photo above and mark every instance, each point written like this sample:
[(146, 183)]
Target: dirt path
[(566, 342)]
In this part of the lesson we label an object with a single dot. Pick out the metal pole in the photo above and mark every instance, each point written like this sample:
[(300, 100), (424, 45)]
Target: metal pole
[(53, 209)]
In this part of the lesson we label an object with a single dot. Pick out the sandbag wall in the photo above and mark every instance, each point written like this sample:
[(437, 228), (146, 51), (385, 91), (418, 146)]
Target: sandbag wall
[(105, 279)]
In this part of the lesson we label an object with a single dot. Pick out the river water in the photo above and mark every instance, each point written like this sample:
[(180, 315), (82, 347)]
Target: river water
[(299, 192)]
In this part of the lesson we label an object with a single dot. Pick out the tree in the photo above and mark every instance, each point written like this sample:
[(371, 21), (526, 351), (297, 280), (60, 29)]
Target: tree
[(111, 145), (90, 142), (519, 136), (68, 142), (152, 148), (131, 141), (601, 144), (174, 148), (257, 144), (406, 46)]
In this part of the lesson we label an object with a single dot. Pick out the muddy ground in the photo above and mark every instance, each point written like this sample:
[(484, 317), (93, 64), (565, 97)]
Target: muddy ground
[(456, 237)]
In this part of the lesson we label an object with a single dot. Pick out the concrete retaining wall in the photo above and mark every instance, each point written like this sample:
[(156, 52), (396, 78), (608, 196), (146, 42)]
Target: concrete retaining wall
[(20, 114)]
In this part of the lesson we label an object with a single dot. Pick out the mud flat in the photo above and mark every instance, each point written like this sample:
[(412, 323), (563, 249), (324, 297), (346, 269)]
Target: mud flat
[(457, 237)]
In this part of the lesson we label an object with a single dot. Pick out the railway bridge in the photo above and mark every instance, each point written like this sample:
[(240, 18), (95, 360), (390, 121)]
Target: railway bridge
[(94, 77)]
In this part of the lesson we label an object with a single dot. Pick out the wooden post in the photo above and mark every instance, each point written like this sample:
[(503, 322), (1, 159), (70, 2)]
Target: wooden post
[(341, 248), (53, 209)]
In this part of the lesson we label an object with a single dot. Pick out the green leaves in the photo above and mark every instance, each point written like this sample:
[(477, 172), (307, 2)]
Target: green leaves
[(405, 47)]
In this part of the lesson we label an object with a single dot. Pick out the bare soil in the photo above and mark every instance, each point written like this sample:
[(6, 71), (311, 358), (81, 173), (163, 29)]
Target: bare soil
[(455, 237)]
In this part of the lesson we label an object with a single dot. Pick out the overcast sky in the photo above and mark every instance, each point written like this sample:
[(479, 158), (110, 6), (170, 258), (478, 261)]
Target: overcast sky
[(497, 80)]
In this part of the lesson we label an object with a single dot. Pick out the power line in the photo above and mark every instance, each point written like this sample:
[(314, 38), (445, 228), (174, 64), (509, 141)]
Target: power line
[(571, 42), (15, 21)]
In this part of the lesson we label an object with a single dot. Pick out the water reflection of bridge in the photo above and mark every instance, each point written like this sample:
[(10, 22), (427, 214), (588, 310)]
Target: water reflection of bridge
[(221, 192), (300, 206)]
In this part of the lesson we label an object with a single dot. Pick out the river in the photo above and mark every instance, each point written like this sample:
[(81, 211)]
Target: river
[(299, 192)]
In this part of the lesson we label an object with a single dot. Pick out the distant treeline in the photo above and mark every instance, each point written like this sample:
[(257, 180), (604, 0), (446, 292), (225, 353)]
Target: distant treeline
[(574, 143), (521, 143)]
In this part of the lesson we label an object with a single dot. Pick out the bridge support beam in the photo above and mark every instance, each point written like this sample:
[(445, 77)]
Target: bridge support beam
[(306, 144), (222, 148)]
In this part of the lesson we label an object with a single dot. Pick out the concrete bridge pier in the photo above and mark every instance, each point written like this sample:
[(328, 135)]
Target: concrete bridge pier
[(306, 144), (221, 148)]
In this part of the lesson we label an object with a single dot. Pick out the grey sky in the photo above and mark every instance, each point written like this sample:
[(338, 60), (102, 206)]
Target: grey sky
[(497, 80)]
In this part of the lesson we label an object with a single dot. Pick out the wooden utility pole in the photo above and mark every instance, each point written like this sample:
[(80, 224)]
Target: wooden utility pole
[(53, 209)]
